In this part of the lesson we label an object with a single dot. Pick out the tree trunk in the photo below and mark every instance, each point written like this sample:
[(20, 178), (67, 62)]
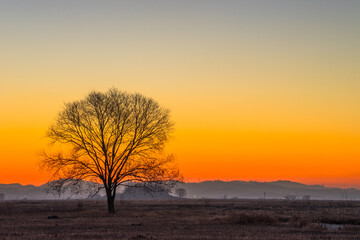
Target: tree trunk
[(110, 202), (110, 194)]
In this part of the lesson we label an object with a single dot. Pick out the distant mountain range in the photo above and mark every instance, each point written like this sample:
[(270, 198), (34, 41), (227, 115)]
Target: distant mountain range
[(207, 189), (268, 190)]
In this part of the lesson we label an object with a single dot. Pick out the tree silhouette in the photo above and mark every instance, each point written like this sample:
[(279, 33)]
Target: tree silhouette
[(112, 138), (180, 192)]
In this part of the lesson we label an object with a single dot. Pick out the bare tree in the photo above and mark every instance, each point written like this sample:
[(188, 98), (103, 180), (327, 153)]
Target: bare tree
[(112, 138), (180, 192)]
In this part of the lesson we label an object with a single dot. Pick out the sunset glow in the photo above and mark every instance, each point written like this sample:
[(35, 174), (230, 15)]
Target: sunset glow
[(257, 90)]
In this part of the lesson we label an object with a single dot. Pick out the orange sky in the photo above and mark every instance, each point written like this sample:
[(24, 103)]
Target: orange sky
[(258, 91)]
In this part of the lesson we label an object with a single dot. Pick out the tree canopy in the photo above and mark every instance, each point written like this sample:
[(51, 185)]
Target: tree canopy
[(112, 138)]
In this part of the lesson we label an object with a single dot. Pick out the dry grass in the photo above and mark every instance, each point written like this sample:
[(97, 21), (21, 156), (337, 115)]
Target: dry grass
[(185, 219)]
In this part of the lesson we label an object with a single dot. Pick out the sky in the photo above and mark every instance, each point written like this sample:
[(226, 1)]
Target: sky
[(258, 90)]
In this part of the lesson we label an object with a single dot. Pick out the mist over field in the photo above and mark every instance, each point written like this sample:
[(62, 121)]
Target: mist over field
[(194, 190)]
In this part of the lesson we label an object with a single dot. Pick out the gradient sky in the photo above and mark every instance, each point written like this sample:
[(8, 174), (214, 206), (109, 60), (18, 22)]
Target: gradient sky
[(259, 90)]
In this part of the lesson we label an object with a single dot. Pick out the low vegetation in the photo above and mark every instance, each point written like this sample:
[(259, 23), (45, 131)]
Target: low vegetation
[(180, 219)]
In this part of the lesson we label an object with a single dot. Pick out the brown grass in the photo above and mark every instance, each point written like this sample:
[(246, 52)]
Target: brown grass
[(185, 219)]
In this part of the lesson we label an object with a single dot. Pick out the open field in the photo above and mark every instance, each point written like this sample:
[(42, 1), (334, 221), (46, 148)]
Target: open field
[(183, 219)]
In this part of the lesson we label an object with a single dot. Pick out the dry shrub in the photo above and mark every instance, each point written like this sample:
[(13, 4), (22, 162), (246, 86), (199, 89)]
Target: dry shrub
[(142, 237), (269, 218), (340, 219), (253, 218), (299, 222), (80, 206)]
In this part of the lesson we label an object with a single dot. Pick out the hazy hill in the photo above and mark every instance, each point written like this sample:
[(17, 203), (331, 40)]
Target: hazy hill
[(277, 189), (17, 191), (207, 189)]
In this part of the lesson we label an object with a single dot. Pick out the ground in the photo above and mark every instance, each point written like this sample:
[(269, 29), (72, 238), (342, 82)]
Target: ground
[(180, 219)]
